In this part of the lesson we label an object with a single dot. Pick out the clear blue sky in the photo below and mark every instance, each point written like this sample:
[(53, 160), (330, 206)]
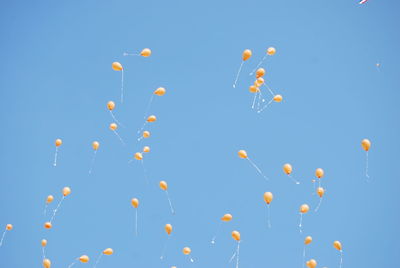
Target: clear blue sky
[(56, 79)]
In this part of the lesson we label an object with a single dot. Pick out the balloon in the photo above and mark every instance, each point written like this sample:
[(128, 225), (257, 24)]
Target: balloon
[(268, 196), (151, 118), (271, 51), (236, 235), (160, 91), (49, 199), (304, 208), (259, 81), (287, 168), (366, 144), (277, 98), (226, 217), (186, 250), (320, 191), (242, 154), (58, 142), (145, 52), (95, 145), (246, 54), (47, 225), (110, 105), (146, 149), (66, 191), (84, 258), (168, 228), (44, 242), (113, 126), (108, 251), (254, 89), (260, 72), (337, 245), (9, 227), (311, 263), (308, 240), (163, 185), (46, 263), (135, 202), (146, 134), (138, 156), (319, 172), (117, 66)]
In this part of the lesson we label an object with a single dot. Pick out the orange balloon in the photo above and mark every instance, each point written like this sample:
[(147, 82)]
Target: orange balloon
[(308, 240), (146, 149), (160, 91), (319, 172), (242, 154), (304, 208), (287, 168), (113, 126), (44, 242), (186, 250), (108, 251), (365, 143), (246, 54), (236, 235), (168, 228), (226, 217), (254, 89), (337, 245), (163, 185), (95, 145), (260, 81), (58, 142), (9, 227), (135, 202), (146, 134), (151, 118), (47, 225), (277, 98), (320, 191), (268, 196), (117, 66), (260, 72), (66, 191), (110, 105), (145, 52), (84, 258), (138, 156), (271, 51), (49, 199), (46, 263), (311, 263)]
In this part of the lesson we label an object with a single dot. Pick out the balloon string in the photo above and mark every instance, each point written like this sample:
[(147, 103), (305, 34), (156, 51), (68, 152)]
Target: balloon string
[(98, 259), (301, 223), (237, 75), (319, 204), (293, 179), (259, 100), (237, 257), (191, 259), (268, 216), (115, 119), (2, 237), (164, 248), (215, 236), (55, 211), (93, 159), (258, 65), (72, 264), (145, 172), (43, 253), (45, 209), (119, 137), (127, 54), (265, 106), (136, 221), (319, 183), (269, 89), (258, 170), (148, 106), (122, 86), (341, 258), (170, 203), (144, 124), (366, 165), (304, 255), (55, 157), (254, 100)]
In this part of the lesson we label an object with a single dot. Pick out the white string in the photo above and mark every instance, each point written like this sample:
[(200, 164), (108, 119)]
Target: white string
[(259, 100), (44, 255), (191, 259), (2, 238), (144, 124), (293, 179), (119, 137), (148, 106), (45, 209), (254, 100), (258, 65), (319, 204), (115, 119), (269, 89), (304, 255), (93, 159), (215, 236), (72, 264), (258, 170), (122, 85), (98, 259), (237, 75), (55, 210), (170, 203), (341, 259), (366, 165), (55, 157), (265, 106), (127, 54), (163, 250), (136, 221), (237, 257), (301, 223)]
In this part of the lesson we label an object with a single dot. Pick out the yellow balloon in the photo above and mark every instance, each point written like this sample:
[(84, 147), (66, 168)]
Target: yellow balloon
[(311, 263), (246, 54), (236, 235), (145, 52), (47, 225), (168, 228), (108, 251), (46, 263), (146, 134), (260, 81), (226, 217), (319, 172), (9, 227), (260, 72), (58, 142), (308, 240), (254, 89), (268, 196), (84, 258), (304, 208), (138, 156), (287, 168), (186, 250), (110, 105), (278, 98), (160, 91), (320, 191), (151, 118), (95, 145), (49, 199), (163, 185), (337, 245), (242, 154), (113, 126), (365, 143), (271, 51), (135, 202), (44, 242), (66, 191), (117, 66), (146, 149)]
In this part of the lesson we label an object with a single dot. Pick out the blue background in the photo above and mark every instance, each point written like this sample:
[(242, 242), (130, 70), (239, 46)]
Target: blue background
[(56, 79)]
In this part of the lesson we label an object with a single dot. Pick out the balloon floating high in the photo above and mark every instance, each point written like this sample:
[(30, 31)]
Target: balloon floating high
[(49, 199), (245, 56), (46, 263), (226, 218), (320, 193), (337, 245), (164, 187), (303, 210), (116, 66), (268, 197), (366, 144), (58, 144), (270, 52), (236, 237), (44, 244), (243, 154), (82, 259), (146, 52), (307, 241), (311, 263), (149, 119), (168, 230), (107, 251), (9, 227), (111, 107), (287, 168), (65, 192), (186, 251), (95, 146), (135, 204), (113, 127), (158, 92)]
